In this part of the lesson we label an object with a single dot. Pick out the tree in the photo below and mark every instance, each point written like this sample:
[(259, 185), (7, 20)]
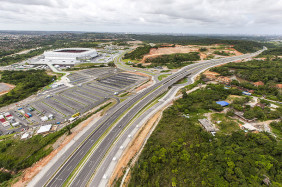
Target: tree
[(184, 94), (230, 112), (68, 129), (111, 64)]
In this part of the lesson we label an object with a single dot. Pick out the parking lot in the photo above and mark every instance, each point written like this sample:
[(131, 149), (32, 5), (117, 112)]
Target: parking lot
[(91, 88)]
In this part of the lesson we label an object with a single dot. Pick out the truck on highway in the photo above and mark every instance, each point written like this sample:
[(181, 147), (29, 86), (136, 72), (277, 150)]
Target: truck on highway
[(72, 119), (76, 115)]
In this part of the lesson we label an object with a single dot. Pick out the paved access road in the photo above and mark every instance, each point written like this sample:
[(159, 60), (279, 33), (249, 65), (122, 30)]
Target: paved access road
[(129, 109)]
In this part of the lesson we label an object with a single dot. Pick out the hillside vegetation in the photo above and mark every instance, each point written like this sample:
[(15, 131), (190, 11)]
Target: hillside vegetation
[(266, 71), (243, 46), (7, 60), (269, 72), (174, 60), (138, 53), (272, 52), (27, 83), (181, 153)]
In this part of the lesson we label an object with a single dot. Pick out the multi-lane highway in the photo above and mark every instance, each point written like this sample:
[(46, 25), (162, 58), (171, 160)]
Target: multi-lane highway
[(124, 113)]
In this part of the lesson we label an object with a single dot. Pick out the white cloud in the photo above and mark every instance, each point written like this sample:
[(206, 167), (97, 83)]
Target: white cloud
[(237, 16)]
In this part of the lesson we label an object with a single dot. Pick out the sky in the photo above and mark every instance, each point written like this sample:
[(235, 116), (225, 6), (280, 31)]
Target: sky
[(150, 16)]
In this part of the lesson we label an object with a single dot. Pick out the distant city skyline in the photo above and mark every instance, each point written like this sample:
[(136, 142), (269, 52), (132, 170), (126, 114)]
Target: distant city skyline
[(253, 17)]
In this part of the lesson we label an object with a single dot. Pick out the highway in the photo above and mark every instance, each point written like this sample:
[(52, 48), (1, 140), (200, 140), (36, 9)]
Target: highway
[(124, 112)]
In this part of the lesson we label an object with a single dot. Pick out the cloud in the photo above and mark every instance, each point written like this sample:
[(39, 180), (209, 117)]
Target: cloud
[(171, 15)]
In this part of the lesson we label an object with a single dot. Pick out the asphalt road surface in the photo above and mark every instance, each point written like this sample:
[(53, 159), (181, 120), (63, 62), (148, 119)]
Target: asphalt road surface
[(128, 109)]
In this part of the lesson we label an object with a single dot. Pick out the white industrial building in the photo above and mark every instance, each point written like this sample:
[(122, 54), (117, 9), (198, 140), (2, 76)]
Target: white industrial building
[(68, 56), (44, 129)]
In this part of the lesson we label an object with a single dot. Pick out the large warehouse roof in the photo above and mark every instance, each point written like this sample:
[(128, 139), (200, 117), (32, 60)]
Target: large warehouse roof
[(69, 55)]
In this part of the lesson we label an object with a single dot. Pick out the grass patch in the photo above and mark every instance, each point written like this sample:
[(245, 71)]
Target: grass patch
[(82, 65), (8, 136), (226, 125), (161, 77), (191, 86), (182, 81), (124, 94), (107, 107), (276, 128), (129, 60)]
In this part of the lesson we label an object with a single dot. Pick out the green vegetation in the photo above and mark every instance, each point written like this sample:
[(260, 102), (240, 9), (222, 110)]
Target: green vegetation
[(181, 153), (120, 43), (222, 70), (269, 72), (16, 154), (131, 61), (27, 83), (244, 46), (272, 52), (174, 60), (4, 176), (261, 113), (227, 125), (276, 128), (138, 53), (124, 94), (138, 65), (7, 60), (266, 71), (209, 57), (203, 49), (191, 86), (204, 99), (111, 64), (222, 53), (89, 65), (165, 71), (161, 77), (238, 103), (182, 81)]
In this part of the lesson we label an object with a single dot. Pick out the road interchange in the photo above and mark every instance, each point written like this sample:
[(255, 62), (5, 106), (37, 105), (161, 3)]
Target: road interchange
[(120, 117)]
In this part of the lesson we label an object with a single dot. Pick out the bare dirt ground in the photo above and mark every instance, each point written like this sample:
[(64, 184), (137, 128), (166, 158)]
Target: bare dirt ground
[(5, 88), (169, 50), (237, 53), (30, 172), (186, 49), (210, 73), (133, 148), (230, 98)]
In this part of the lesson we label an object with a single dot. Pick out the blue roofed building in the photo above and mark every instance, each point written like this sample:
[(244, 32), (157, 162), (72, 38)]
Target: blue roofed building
[(222, 103)]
